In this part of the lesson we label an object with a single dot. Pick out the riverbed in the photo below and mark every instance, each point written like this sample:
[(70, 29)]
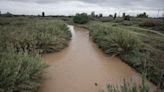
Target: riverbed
[(82, 67)]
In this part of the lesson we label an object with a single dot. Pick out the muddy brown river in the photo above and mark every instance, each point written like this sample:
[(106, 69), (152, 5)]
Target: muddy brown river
[(78, 67)]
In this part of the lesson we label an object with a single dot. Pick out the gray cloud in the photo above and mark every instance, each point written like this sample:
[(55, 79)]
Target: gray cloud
[(152, 4), (72, 6)]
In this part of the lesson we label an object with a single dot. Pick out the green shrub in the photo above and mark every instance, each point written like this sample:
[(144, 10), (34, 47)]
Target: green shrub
[(81, 18), (20, 72)]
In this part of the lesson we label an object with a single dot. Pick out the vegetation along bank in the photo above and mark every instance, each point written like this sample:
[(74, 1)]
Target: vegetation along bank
[(22, 40)]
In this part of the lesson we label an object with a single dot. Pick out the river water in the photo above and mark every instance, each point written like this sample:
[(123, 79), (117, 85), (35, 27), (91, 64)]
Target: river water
[(82, 65)]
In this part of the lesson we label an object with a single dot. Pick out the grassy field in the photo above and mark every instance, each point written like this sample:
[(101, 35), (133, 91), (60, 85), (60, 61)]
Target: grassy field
[(142, 48), (22, 40)]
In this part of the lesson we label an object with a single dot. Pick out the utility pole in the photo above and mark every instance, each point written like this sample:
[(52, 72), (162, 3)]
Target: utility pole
[(158, 13), (119, 14)]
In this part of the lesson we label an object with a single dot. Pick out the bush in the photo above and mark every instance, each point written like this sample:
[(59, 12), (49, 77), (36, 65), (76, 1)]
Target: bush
[(150, 23), (20, 72), (81, 18), (142, 15), (127, 17)]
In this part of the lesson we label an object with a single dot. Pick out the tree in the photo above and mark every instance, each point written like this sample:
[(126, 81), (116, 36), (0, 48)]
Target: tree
[(43, 14), (97, 15), (115, 15), (127, 17), (93, 14), (100, 15), (110, 15), (81, 18), (123, 15), (8, 14), (142, 15)]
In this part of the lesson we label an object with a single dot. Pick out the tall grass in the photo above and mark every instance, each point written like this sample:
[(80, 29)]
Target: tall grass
[(129, 87), (21, 66), (131, 48), (114, 40), (20, 72), (45, 36)]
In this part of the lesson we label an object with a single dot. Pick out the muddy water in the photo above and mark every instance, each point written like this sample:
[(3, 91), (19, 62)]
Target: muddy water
[(78, 67)]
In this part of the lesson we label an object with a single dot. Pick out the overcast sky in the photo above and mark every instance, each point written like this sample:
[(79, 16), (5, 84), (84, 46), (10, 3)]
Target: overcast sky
[(71, 7)]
